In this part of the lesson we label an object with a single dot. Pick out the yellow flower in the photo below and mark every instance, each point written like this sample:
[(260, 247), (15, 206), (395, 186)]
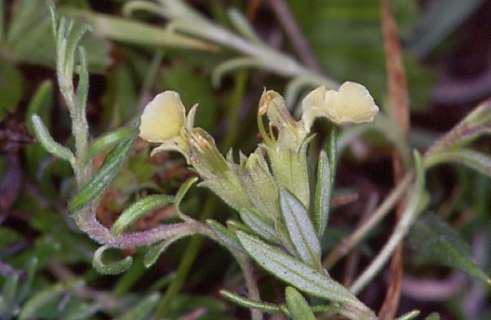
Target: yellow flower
[(352, 103), (164, 121)]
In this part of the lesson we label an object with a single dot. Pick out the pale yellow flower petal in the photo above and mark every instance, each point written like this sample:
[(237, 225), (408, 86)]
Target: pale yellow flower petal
[(163, 117), (352, 103)]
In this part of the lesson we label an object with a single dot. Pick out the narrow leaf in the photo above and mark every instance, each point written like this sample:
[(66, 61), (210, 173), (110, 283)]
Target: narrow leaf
[(473, 159), (297, 305), (9, 290), (297, 273), (134, 32), (156, 250), (300, 228), (475, 124), (25, 286), (108, 140), (40, 104), (323, 192), (433, 316), (83, 82), (228, 238), (258, 224), (53, 147), (36, 302), (143, 309), (249, 303), (409, 316), (100, 182), (435, 241), (137, 210), (116, 267)]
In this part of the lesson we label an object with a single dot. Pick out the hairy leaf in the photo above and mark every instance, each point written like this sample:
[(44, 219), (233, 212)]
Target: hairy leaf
[(116, 267), (95, 188), (139, 209), (323, 192), (435, 241), (300, 228), (297, 273), (297, 305)]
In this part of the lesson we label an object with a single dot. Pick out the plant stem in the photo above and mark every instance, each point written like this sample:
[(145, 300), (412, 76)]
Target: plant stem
[(189, 22), (347, 244), (407, 218), (251, 284)]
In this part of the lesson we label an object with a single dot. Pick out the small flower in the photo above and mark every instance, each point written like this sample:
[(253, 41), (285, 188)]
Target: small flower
[(164, 121), (352, 103)]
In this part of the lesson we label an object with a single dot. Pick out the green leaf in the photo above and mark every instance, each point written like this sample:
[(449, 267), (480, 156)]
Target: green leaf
[(143, 309), (155, 251), (83, 80), (297, 305), (138, 210), (473, 159), (297, 273), (116, 267), (435, 241), (83, 311), (251, 304), (228, 238), (254, 220), (106, 141), (433, 316), (300, 229), (134, 32), (35, 303), (53, 147), (25, 287), (30, 38), (475, 124), (409, 316), (40, 104), (9, 290), (10, 88), (323, 192), (95, 188)]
